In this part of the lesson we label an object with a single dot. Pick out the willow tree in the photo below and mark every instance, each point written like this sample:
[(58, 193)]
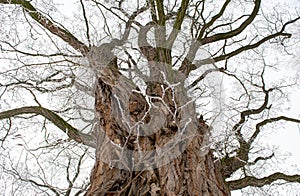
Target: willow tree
[(180, 91)]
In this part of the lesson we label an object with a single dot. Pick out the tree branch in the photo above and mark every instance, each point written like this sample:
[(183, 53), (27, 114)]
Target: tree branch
[(267, 121), (178, 22), (186, 64), (86, 22), (232, 164), (241, 49), (238, 126), (72, 132), (49, 25), (161, 12), (153, 10), (251, 46), (259, 182), (261, 159), (213, 20), (222, 36)]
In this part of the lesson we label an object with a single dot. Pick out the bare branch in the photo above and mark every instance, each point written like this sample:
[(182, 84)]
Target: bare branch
[(86, 22), (186, 66), (232, 164), (72, 132), (251, 46), (42, 185), (211, 22), (267, 121), (238, 126), (241, 28), (259, 182), (48, 24), (235, 52), (161, 12), (261, 159), (178, 22)]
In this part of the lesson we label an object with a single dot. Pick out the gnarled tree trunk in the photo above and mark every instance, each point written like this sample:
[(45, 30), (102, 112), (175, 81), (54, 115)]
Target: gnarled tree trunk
[(192, 172)]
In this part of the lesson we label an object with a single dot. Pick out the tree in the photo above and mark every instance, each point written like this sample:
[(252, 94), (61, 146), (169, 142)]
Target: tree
[(177, 106)]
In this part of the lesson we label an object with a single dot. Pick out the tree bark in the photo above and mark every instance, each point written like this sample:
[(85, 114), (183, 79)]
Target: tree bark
[(192, 172), (189, 174)]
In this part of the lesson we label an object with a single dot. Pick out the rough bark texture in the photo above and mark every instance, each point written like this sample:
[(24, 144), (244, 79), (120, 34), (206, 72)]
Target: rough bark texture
[(191, 173), (182, 176)]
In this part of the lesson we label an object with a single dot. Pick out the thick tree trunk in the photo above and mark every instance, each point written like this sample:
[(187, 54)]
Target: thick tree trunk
[(192, 172), (189, 174)]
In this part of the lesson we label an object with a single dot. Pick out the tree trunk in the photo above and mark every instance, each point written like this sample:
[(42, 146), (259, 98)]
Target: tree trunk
[(189, 174), (193, 171)]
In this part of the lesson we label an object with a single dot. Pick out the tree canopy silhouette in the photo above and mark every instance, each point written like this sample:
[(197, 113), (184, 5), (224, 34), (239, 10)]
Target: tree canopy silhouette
[(164, 97)]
